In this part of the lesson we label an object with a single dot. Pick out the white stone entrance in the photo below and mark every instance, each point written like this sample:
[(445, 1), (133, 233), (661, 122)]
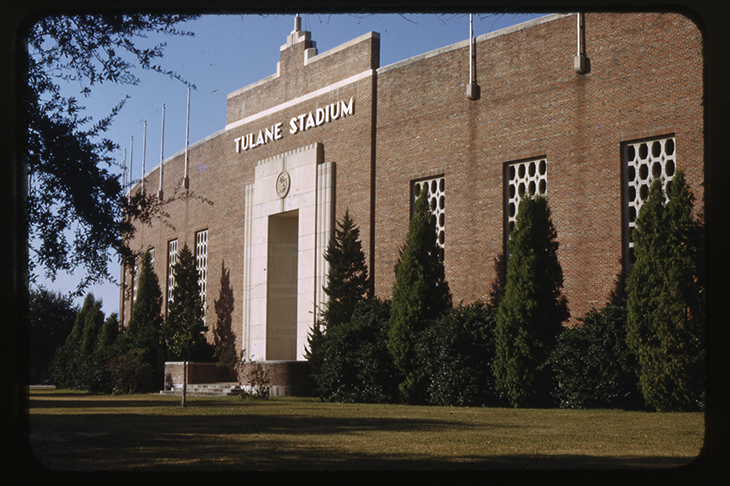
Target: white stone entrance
[(288, 222)]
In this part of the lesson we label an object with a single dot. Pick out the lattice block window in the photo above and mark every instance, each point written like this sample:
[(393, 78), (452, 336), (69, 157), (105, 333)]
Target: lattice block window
[(201, 263), (135, 279), (644, 161), (171, 260), (434, 187), (525, 177)]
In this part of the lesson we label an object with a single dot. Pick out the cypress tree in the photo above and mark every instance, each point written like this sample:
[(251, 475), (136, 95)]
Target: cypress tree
[(108, 332), (420, 293), (143, 334), (531, 312), (184, 326), (665, 309), (146, 317), (78, 328), (93, 321)]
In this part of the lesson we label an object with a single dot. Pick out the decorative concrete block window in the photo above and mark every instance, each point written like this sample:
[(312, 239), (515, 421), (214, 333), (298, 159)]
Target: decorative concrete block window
[(527, 177), (643, 162), (171, 260), (434, 188), (135, 279), (201, 263)]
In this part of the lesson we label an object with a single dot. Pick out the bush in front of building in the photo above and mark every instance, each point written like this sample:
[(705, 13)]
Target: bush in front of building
[(420, 294), (456, 352), (357, 365), (593, 365), (665, 300), (532, 310)]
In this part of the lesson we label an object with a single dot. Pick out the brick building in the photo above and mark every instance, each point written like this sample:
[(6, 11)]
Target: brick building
[(584, 109)]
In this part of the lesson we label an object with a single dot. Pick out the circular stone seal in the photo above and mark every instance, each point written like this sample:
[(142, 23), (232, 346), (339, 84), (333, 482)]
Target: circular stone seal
[(283, 182)]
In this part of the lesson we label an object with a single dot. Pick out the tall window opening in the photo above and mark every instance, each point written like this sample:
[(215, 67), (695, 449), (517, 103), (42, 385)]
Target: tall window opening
[(643, 162), (435, 191), (527, 177), (171, 260), (201, 264)]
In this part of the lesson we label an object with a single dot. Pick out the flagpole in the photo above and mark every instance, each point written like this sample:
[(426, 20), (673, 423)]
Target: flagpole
[(186, 181), (131, 156), (162, 151), (125, 186), (144, 153)]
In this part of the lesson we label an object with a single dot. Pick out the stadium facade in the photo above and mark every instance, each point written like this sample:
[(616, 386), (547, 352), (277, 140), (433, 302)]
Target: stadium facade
[(585, 109)]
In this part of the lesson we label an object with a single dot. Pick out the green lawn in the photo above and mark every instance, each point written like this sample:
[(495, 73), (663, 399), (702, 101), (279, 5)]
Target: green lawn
[(78, 431)]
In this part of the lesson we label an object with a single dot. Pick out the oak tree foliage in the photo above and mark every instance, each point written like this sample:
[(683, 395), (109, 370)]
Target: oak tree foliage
[(75, 210)]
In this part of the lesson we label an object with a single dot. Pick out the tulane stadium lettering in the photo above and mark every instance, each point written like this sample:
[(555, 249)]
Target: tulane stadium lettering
[(301, 123)]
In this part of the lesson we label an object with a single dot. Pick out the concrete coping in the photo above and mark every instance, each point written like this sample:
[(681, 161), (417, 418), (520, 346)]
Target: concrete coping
[(481, 38)]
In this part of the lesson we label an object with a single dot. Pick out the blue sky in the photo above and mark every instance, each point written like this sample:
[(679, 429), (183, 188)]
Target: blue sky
[(229, 52)]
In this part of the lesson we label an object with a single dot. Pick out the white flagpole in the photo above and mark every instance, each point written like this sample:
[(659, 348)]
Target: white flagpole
[(471, 50), (162, 151), (131, 156), (125, 186), (144, 153), (187, 136)]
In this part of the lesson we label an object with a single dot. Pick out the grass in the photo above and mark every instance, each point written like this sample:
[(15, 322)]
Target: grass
[(82, 432)]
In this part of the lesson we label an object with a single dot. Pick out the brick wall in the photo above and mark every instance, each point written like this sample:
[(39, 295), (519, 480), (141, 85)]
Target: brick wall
[(646, 80)]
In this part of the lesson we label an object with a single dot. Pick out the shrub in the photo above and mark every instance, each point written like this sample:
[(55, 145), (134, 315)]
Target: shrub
[(593, 365), (455, 355), (257, 384), (357, 365), (131, 372)]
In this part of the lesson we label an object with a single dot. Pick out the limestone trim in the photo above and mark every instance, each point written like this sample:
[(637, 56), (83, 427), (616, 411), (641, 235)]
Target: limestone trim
[(311, 201)]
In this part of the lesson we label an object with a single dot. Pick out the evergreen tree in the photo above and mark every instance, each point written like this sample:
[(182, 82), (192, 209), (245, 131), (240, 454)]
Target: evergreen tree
[(531, 312), (347, 279), (78, 328), (184, 326), (74, 365), (420, 293), (93, 321), (347, 284), (143, 335), (108, 333), (665, 307), (146, 317)]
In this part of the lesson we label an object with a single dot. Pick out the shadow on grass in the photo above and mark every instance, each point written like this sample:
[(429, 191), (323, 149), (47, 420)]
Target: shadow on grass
[(281, 435), (278, 443)]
